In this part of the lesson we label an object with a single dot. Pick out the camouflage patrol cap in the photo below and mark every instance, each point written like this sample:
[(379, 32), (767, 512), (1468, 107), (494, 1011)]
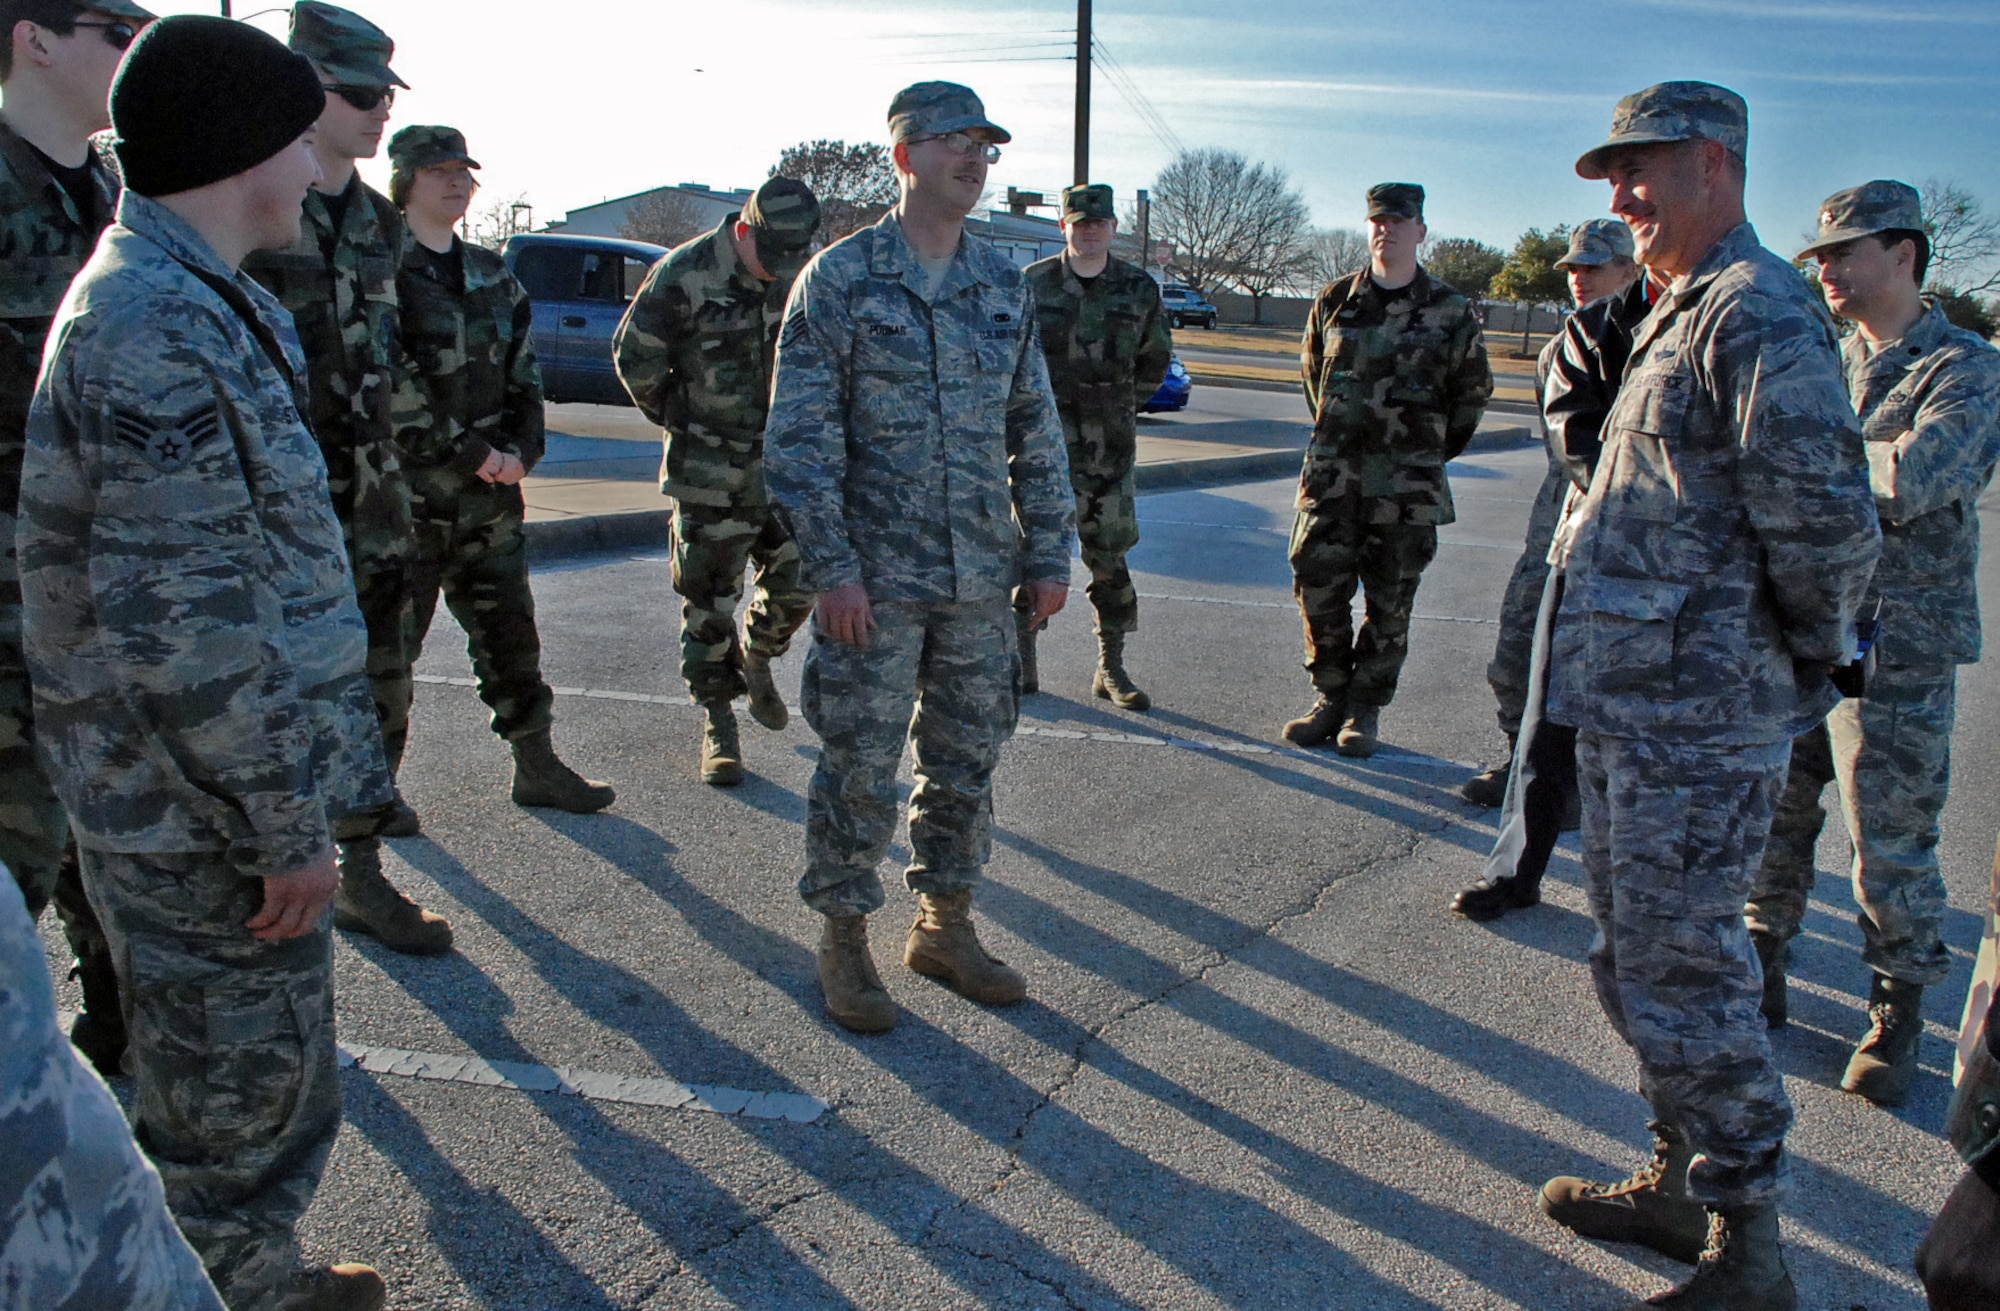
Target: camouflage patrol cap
[(1396, 199), (1673, 111), (347, 47), (426, 147), (784, 214), (1598, 241), (935, 109), (1879, 206), (1088, 200)]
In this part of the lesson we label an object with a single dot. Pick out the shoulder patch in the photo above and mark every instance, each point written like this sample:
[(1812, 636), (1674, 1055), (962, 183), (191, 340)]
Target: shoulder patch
[(169, 444), (795, 327)]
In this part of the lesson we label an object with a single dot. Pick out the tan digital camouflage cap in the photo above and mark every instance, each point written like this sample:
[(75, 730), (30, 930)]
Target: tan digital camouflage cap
[(1598, 241), (1879, 206), (1673, 111), (935, 109), (426, 147), (783, 214), (1396, 199), (348, 48), (1088, 200)]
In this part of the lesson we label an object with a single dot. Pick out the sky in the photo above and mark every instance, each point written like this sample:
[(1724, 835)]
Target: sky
[(1487, 103)]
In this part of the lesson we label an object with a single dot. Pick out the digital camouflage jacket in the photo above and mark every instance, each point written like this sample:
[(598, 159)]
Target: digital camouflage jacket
[(1396, 385), (1717, 564), (695, 351), (190, 623), (1107, 346), (913, 445), (341, 290)]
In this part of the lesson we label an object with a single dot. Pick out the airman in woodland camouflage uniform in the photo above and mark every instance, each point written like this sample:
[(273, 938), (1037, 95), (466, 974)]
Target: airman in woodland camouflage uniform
[(1714, 574), (1598, 263), (339, 282), (1107, 345), (465, 322), (83, 1219), (56, 195), (1928, 395), (915, 451), (196, 652), (695, 351), (1396, 379)]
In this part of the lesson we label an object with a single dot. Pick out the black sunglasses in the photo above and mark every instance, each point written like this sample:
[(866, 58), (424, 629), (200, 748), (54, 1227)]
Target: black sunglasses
[(363, 98), (116, 35)]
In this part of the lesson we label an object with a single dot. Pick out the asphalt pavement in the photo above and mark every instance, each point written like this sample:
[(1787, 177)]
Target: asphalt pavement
[(1261, 1065)]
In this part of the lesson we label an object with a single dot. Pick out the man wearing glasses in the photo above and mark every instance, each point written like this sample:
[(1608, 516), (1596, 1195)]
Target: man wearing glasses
[(914, 449), (339, 282), (56, 195)]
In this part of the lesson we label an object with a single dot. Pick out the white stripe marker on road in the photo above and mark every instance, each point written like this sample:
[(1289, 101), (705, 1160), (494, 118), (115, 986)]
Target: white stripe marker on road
[(668, 1094)]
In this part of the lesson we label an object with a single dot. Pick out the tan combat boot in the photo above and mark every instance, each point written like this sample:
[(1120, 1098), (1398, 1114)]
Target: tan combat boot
[(1742, 1268), (943, 945), (721, 748), (854, 993), (1886, 1060), (766, 706), (1357, 736), (1112, 683), (349, 1286), (1318, 724), (542, 779), (1650, 1208), (367, 903)]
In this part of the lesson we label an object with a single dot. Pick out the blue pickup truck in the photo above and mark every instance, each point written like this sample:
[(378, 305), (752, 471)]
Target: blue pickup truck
[(579, 287)]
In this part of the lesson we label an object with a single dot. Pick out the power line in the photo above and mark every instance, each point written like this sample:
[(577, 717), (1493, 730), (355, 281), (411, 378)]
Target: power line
[(1128, 90)]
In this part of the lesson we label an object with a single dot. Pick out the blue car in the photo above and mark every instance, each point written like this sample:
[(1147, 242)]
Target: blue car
[(1174, 391), (579, 288)]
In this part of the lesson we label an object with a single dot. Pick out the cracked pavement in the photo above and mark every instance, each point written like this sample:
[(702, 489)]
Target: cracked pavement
[(1260, 1066)]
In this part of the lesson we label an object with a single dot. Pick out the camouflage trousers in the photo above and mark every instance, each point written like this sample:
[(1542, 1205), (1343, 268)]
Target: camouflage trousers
[(1507, 674), (943, 677), (1672, 837), (34, 830), (383, 596), (237, 1098), (471, 547), (1334, 548), (712, 547), (1107, 526), (1890, 752)]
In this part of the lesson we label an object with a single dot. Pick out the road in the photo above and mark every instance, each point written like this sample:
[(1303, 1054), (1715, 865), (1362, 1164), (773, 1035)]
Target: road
[(1261, 1066)]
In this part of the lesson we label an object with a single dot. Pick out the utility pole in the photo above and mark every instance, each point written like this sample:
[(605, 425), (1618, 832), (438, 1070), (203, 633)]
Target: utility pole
[(1145, 228), (1082, 91)]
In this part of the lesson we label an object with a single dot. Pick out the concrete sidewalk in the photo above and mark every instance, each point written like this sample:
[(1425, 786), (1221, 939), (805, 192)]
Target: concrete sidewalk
[(597, 488)]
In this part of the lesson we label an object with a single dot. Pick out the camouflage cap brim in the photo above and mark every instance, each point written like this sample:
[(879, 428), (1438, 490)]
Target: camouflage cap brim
[(360, 72), (123, 9), (1591, 165), (1873, 207)]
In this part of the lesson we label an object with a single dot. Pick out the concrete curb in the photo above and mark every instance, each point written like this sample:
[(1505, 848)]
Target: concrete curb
[(588, 534)]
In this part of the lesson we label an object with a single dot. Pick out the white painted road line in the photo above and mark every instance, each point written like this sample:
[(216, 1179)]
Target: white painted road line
[(631, 1090)]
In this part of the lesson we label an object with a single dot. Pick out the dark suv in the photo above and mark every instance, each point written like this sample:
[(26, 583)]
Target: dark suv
[(580, 287), (1186, 306)]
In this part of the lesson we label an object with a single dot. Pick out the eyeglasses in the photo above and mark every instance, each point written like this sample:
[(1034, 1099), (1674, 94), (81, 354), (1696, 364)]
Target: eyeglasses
[(363, 98), (962, 143), (116, 35)]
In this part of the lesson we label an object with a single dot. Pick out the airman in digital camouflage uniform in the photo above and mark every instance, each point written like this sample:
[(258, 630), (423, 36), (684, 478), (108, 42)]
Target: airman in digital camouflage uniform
[(339, 282), (1928, 395), (196, 652), (57, 192), (695, 351), (1107, 344), (83, 1219), (465, 323), (915, 452), (1597, 264), (1713, 574), (1396, 379)]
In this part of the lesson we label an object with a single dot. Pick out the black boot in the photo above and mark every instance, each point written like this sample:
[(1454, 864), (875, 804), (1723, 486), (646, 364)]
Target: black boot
[(1485, 900), (1886, 1060), (1488, 788), (99, 1029), (1775, 955)]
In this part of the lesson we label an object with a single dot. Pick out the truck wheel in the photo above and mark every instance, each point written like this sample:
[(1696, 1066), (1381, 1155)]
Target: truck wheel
[(1175, 320), (1211, 323)]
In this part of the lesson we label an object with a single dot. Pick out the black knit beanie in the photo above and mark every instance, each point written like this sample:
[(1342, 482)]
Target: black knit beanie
[(200, 99)]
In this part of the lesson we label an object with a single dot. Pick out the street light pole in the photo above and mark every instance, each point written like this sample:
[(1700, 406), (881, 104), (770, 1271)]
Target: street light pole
[(1082, 92)]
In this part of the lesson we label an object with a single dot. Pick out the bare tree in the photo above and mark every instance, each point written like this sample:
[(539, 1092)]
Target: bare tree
[(856, 185), (1965, 239), (1332, 254), (1229, 221), (499, 219), (666, 217)]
